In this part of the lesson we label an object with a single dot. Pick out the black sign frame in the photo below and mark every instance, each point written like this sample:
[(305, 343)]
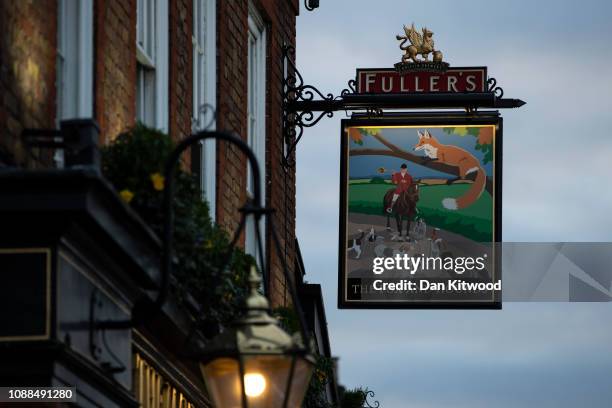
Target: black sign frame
[(424, 119)]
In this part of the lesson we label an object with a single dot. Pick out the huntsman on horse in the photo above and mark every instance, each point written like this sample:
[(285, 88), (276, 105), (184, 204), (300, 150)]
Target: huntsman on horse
[(405, 206)]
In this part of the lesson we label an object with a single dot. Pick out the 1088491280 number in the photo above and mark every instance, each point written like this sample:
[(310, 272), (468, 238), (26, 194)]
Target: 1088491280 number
[(8, 394)]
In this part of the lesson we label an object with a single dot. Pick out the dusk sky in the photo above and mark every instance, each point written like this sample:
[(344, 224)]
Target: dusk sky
[(555, 55)]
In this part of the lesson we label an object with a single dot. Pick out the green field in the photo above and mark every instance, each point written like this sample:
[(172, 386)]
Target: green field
[(474, 222)]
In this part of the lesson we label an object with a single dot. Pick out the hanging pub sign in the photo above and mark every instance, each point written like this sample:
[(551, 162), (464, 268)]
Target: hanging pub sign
[(420, 193)]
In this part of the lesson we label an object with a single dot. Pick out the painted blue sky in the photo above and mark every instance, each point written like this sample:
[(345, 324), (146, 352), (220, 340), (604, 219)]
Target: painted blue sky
[(406, 139), (555, 55)]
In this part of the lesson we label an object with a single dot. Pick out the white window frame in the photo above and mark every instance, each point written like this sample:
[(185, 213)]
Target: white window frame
[(74, 63), (152, 56), (204, 40), (256, 117), (74, 59)]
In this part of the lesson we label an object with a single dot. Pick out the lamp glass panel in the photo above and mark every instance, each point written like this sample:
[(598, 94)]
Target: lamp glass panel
[(265, 380), (222, 377), (301, 378)]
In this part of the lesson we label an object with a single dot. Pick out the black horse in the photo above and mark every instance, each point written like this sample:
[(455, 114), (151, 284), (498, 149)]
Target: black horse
[(405, 206)]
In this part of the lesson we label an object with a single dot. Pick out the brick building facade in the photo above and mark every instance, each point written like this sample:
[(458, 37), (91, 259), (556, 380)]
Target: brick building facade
[(159, 62), (28, 69)]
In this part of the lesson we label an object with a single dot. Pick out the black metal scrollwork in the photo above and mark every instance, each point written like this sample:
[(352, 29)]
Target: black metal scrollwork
[(352, 88), (497, 90), (311, 5), (367, 403), (294, 90)]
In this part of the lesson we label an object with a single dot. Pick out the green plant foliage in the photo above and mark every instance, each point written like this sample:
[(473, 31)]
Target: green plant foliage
[(316, 396), (354, 398), (134, 164), (287, 318)]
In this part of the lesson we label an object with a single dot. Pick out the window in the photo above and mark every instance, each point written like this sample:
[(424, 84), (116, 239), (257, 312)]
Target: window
[(152, 63), (205, 93), (74, 62), (256, 112)]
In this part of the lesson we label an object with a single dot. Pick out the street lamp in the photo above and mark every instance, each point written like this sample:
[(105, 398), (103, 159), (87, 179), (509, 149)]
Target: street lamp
[(254, 363)]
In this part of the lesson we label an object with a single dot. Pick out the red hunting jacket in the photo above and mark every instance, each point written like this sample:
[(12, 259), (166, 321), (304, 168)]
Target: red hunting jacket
[(403, 182)]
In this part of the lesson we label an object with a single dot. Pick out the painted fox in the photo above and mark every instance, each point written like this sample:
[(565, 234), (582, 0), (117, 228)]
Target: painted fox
[(458, 157)]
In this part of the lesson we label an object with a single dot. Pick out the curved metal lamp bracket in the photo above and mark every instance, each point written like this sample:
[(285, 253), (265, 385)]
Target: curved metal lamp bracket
[(147, 309)]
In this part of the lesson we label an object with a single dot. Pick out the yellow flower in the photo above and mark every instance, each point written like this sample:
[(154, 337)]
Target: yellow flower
[(208, 244), (158, 181), (127, 195)]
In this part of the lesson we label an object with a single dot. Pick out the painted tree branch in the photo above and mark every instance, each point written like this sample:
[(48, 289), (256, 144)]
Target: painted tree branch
[(387, 143), (395, 151)]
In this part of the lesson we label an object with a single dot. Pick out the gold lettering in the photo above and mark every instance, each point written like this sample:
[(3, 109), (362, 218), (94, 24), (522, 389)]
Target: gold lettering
[(470, 79), (369, 81), (452, 84), (402, 88), (433, 83), (416, 85), (153, 391), (389, 86)]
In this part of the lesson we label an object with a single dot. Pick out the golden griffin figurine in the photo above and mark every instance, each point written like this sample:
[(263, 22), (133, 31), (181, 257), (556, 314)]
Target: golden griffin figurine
[(419, 45)]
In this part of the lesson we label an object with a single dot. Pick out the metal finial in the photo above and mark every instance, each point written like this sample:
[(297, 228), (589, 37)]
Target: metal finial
[(255, 300)]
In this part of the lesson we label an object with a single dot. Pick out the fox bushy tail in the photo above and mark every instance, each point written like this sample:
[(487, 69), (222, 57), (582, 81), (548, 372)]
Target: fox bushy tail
[(470, 196)]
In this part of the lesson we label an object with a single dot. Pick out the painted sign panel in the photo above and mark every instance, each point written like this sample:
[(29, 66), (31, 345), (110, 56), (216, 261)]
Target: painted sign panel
[(420, 212), (454, 80)]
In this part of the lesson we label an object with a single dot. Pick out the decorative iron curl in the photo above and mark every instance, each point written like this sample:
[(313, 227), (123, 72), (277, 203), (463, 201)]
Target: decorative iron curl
[(352, 88), (370, 393), (293, 84), (309, 7), (294, 130), (295, 90), (205, 108), (497, 90)]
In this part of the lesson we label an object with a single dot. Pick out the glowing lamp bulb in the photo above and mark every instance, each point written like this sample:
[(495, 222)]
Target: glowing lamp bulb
[(254, 384)]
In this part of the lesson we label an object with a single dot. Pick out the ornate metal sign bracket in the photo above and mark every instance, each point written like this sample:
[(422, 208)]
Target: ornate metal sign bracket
[(304, 105), (296, 116)]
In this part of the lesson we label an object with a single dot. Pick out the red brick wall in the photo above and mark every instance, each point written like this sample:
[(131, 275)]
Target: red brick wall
[(115, 66), (28, 37), (232, 23), (181, 68), (232, 29), (281, 181)]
